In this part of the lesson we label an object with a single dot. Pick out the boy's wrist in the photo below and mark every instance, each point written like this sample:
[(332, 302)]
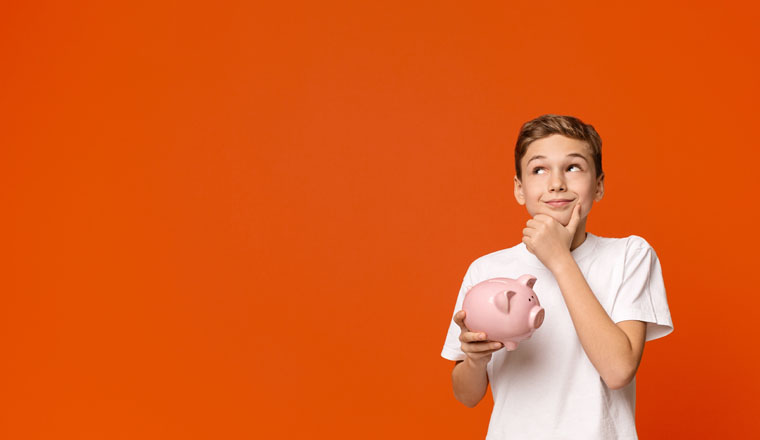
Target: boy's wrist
[(476, 365), (561, 263)]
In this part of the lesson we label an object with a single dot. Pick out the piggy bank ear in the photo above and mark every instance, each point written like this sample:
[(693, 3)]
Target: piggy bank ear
[(502, 300), (527, 280)]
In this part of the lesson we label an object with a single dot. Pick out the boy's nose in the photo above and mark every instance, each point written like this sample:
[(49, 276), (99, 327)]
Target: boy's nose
[(557, 184)]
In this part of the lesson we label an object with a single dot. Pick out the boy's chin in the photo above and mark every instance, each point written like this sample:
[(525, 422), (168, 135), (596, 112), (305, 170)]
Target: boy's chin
[(561, 218)]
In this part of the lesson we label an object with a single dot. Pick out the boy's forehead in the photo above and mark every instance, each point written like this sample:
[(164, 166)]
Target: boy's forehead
[(557, 146)]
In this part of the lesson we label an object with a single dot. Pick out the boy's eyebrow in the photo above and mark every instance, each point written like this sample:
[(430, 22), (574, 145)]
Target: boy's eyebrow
[(569, 155)]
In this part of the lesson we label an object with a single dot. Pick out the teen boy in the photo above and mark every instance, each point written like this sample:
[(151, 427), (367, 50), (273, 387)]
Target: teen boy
[(604, 297)]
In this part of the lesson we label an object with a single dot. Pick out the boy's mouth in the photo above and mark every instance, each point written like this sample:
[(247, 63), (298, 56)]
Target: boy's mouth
[(558, 203)]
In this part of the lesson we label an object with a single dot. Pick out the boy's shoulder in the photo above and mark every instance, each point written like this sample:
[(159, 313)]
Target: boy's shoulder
[(629, 251), (629, 243)]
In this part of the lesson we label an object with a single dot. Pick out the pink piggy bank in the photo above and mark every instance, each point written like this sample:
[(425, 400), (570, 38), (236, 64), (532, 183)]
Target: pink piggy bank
[(506, 310)]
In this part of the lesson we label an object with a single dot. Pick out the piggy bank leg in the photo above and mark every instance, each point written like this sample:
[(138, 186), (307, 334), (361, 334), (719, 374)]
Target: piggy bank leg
[(510, 346)]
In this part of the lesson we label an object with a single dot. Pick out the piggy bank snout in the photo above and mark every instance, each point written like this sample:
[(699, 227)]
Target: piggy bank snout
[(537, 317)]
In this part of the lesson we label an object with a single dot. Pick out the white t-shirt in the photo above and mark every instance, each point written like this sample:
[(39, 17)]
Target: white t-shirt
[(548, 388)]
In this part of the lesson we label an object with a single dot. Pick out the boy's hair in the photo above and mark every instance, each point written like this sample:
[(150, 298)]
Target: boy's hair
[(568, 126)]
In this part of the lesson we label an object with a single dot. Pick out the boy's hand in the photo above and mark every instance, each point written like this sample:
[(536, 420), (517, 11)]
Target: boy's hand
[(475, 345), (548, 240)]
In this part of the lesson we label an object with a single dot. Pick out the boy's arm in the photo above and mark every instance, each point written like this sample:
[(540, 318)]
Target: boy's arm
[(614, 349), (469, 378), (469, 381)]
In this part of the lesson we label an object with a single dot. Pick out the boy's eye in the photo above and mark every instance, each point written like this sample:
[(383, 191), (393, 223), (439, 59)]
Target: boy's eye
[(541, 170)]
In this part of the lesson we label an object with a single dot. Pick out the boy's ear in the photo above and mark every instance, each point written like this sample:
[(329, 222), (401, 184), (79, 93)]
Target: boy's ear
[(599, 188), (519, 194)]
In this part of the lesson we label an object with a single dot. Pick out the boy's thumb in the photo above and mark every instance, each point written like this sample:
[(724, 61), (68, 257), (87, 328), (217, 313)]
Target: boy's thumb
[(575, 217)]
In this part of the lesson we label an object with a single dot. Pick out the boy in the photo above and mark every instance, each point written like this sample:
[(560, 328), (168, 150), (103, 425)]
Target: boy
[(604, 297)]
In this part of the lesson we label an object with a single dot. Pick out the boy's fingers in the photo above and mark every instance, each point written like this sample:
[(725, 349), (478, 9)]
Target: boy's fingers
[(537, 222), (485, 347), (473, 336), (466, 335), (459, 318), (575, 217), (526, 240)]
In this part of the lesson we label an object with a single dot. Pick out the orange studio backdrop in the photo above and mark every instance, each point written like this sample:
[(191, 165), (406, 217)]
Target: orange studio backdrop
[(246, 220)]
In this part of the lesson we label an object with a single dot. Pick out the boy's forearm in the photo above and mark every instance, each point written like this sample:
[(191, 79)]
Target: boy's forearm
[(470, 382), (606, 345)]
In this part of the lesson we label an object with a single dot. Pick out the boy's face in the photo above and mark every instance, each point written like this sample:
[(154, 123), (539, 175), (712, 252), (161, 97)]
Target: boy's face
[(556, 172)]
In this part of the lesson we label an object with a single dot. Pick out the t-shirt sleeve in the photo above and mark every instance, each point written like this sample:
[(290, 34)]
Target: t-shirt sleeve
[(641, 295), (452, 348)]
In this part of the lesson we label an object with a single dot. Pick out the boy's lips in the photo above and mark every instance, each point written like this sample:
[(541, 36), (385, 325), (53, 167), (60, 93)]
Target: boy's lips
[(558, 203)]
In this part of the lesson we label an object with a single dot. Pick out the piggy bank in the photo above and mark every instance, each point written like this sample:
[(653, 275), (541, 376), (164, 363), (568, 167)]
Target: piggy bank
[(506, 310)]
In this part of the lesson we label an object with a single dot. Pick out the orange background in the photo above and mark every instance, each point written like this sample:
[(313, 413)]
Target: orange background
[(234, 220)]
